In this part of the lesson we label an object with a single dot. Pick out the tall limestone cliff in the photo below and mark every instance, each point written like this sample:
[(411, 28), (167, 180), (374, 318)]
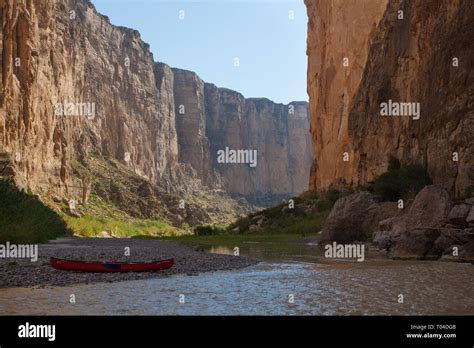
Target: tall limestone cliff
[(209, 119), (76, 90), (404, 51), (60, 52)]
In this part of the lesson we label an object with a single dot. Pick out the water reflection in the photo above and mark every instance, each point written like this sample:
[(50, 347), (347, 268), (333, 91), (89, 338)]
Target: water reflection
[(319, 288)]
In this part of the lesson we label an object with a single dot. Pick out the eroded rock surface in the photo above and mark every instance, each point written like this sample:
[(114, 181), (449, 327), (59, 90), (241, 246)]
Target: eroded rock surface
[(423, 57), (428, 229)]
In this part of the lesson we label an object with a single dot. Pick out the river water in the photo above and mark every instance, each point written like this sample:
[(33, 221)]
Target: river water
[(290, 281)]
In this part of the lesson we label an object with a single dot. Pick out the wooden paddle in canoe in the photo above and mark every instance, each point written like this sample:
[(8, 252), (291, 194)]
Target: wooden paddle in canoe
[(83, 266)]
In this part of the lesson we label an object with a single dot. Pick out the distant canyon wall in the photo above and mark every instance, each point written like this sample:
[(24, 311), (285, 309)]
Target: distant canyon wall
[(362, 53), (213, 119), (56, 52)]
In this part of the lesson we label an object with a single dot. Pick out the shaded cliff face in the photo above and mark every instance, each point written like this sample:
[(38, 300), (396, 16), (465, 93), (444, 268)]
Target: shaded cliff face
[(76, 88), (403, 60)]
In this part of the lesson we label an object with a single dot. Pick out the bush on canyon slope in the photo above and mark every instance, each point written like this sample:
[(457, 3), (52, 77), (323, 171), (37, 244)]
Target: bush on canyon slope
[(305, 218), (400, 181), (208, 230), (24, 219)]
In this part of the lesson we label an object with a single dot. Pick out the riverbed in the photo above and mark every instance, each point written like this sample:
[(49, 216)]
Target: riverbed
[(290, 280)]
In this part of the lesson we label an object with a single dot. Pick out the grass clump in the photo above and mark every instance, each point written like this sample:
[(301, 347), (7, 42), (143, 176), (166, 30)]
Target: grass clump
[(24, 219), (93, 226)]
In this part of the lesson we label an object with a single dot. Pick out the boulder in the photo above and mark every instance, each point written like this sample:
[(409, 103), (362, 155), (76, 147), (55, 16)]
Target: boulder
[(376, 213), (459, 213), (345, 223), (422, 243), (383, 239), (416, 244), (387, 224), (448, 238), (465, 253), (430, 209), (470, 216)]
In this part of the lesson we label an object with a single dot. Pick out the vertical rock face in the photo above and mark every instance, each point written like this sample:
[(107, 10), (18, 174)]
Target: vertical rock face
[(300, 147), (407, 59), (339, 39), (62, 54), (191, 123), (210, 119), (278, 133), (79, 57)]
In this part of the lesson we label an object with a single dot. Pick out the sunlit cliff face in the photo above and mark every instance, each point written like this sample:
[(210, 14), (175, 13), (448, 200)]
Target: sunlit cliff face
[(365, 54)]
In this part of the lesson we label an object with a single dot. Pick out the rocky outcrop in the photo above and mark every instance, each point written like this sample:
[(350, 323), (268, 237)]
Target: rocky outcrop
[(429, 228), (364, 53), (74, 87), (356, 217), (430, 209), (458, 214), (432, 227), (345, 222)]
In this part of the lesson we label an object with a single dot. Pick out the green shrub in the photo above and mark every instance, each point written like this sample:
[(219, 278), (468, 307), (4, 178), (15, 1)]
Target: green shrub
[(401, 181), (308, 196), (468, 192), (303, 225), (24, 219), (272, 212), (414, 177), (393, 163), (306, 218), (388, 186), (327, 201), (207, 230)]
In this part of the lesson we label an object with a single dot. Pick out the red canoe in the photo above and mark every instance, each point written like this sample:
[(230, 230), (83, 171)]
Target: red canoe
[(69, 265)]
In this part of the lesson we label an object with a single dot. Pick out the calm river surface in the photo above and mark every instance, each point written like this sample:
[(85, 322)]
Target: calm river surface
[(317, 288)]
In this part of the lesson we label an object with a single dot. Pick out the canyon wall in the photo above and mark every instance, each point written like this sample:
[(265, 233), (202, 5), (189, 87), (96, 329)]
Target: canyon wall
[(60, 52), (209, 119), (397, 50)]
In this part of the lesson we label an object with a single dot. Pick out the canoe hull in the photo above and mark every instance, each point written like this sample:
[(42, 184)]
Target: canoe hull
[(81, 266)]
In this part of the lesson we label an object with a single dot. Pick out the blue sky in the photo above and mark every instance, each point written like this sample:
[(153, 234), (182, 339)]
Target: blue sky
[(270, 47)]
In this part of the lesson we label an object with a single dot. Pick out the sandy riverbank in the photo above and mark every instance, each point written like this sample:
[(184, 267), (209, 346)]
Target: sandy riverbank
[(188, 260)]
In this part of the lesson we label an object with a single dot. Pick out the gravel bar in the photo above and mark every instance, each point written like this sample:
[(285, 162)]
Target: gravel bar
[(188, 260)]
